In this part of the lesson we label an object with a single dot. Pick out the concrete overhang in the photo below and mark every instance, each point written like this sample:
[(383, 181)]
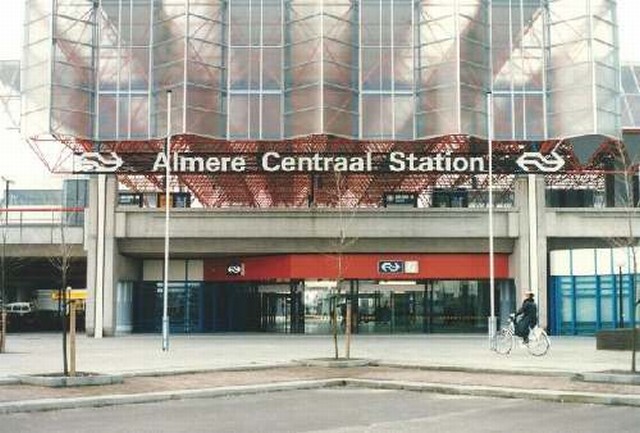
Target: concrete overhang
[(207, 247), (603, 223), (408, 225)]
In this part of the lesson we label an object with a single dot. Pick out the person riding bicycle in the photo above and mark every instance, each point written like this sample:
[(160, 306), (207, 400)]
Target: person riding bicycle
[(529, 319)]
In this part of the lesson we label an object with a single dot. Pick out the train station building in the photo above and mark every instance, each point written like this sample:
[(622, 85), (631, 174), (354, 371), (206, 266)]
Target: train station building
[(325, 152)]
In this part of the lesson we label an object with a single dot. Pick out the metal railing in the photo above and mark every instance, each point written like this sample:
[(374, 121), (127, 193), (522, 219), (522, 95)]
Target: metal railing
[(43, 216), (40, 224)]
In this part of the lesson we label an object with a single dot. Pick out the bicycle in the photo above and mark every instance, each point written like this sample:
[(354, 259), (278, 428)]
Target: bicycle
[(538, 344)]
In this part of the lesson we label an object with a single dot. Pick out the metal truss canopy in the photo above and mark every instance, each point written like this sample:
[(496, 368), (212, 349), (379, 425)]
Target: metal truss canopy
[(333, 189)]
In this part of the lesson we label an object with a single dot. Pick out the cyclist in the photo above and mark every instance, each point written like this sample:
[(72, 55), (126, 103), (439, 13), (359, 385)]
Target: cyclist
[(529, 319)]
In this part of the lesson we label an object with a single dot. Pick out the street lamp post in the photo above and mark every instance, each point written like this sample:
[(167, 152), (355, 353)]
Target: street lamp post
[(167, 205), (3, 330), (493, 323)]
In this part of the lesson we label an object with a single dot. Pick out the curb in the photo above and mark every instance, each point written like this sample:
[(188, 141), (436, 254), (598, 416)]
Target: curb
[(9, 381), (14, 379), (479, 370), (93, 379), (470, 390), (617, 378), (335, 363), (48, 404), (487, 391), (178, 372)]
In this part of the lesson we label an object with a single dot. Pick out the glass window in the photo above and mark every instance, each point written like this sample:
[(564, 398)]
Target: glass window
[(272, 23), (239, 68), (271, 118), (238, 23), (404, 110), (370, 26), (271, 69), (238, 116)]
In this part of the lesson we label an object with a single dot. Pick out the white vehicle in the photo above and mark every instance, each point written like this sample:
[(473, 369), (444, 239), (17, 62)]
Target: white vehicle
[(20, 308)]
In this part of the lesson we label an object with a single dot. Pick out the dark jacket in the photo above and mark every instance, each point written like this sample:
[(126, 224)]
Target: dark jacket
[(529, 313)]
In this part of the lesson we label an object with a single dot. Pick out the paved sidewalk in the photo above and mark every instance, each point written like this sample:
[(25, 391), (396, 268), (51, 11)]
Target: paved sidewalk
[(40, 353), (224, 365), (147, 389)]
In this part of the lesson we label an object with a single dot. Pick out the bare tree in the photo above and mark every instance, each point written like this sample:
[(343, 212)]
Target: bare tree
[(62, 263), (346, 213), (629, 241), (3, 295)]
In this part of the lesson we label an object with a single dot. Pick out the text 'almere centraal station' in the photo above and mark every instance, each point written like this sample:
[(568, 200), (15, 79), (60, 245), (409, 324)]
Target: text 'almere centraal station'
[(324, 142)]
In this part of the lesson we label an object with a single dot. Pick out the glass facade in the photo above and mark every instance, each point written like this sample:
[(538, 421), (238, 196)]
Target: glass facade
[(369, 69), (585, 304), (519, 40), (630, 77), (398, 307), (583, 71)]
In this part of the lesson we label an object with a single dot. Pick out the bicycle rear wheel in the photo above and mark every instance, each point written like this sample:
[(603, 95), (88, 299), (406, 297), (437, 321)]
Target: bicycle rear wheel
[(539, 344), (504, 341)]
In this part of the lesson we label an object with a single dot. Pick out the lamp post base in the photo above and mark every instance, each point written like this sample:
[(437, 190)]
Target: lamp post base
[(493, 327), (165, 334), (3, 330)]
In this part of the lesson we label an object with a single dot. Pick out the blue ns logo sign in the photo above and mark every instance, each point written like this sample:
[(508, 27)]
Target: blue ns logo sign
[(390, 266)]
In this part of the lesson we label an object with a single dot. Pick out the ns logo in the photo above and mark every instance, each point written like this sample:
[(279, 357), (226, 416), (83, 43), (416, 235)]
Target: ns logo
[(235, 269), (390, 266)]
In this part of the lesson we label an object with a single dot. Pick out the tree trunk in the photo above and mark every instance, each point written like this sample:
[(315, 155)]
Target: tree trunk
[(633, 349), (347, 346), (334, 328), (72, 338), (63, 318)]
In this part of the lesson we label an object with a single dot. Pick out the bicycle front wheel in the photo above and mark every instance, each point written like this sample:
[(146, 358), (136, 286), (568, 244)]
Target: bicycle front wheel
[(539, 345), (504, 341)]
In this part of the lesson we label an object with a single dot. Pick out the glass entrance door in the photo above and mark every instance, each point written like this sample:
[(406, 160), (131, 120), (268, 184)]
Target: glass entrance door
[(282, 308), (458, 305), (391, 307)]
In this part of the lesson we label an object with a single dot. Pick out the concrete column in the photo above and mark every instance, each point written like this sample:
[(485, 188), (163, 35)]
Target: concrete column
[(110, 251), (528, 262), (105, 265), (542, 256), (90, 246), (97, 242), (519, 259)]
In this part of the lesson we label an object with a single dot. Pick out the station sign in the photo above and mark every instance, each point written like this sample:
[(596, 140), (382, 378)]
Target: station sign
[(398, 267), (314, 162)]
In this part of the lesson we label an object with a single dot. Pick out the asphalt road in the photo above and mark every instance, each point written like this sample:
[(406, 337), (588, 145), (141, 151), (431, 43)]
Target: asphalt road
[(345, 410)]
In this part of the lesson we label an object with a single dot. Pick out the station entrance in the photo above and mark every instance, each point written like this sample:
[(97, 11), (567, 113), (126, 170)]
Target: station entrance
[(305, 306)]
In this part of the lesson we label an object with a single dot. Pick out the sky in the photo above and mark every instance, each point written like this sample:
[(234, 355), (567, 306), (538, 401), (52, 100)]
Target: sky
[(11, 28)]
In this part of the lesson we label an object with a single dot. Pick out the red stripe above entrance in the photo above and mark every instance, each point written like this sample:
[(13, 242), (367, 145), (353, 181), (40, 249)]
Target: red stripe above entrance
[(355, 266)]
